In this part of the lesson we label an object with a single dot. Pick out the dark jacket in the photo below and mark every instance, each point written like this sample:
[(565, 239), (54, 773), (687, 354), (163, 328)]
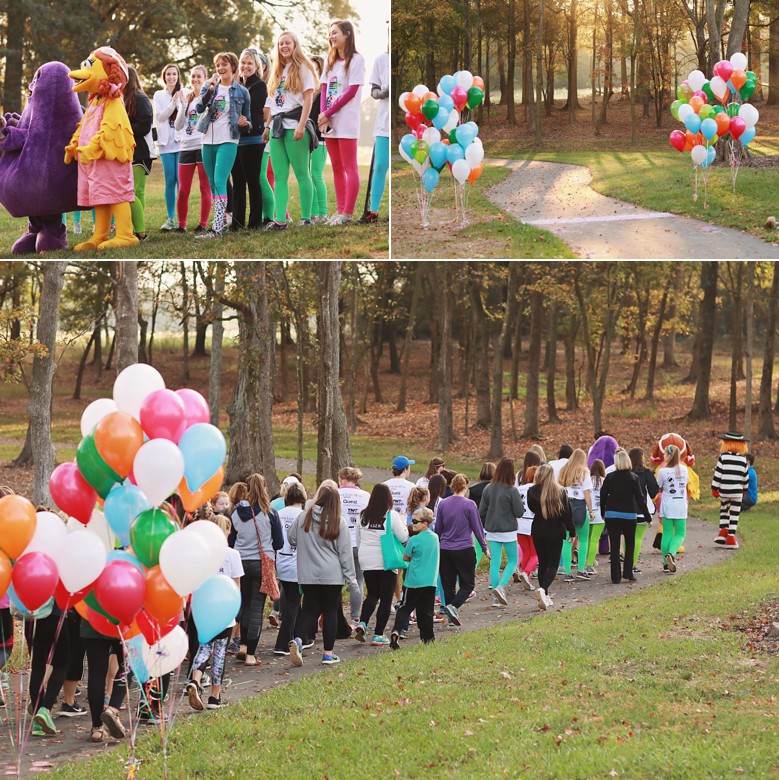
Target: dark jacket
[(316, 109), (549, 526), (141, 122), (621, 492), (648, 485), (475, 492), (258, 93)]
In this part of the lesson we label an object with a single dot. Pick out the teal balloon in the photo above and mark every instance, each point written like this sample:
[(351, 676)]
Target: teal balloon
[(214, 606), (446, 85), (693, 123), (438, 155), (93, 468), (465, 135), (708, 129), (454, 153), (442, 117), (747, 136), (122, 505), (430, 179), (123, 555), (204, 448), (446, 102), (406, 142)]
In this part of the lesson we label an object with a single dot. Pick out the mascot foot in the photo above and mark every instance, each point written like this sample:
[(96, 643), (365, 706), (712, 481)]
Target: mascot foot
[(721, 536), (119, 241), (48, 242), (25, 245), (731, 543), (85, 246)]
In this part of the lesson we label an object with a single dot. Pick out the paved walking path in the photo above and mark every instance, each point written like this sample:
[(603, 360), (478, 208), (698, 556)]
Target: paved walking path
[(558, 198), (73, 740)]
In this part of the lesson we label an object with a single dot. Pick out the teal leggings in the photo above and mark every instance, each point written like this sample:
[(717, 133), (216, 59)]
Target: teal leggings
[(218, 162), (512, 557), (674, 531), (138, 206), (283, 153), (268, 203), (318, 161), (380, 168), (170, 167)]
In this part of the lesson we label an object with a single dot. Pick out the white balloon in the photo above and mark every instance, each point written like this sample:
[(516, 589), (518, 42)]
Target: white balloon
[(99, 526), (421, 90), (80, 558), (158, 469), (186, 561), (718, 87), (133, 385), (474, 154), (431, 136), (49, 533), (215, 539), (166, 654), (739, 61), (749, 114), (94, 413), (696, 80), (464, 79), (402, 101), (684, 110), (699, 154), (451, 123), (460, 170)]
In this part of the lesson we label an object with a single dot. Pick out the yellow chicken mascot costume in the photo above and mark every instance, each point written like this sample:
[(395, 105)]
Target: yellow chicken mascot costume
[(103, 146)]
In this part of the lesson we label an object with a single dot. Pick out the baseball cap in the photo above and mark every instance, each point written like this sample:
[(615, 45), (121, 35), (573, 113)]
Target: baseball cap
[(402, 462)]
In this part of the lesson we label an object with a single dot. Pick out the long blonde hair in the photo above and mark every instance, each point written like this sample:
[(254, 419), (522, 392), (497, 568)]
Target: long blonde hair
[(575, 470), (298, 61), (553, 496)]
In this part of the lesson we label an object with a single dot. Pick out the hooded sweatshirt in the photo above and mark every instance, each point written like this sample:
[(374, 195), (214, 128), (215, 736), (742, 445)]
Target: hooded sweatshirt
[(322, 561), (244, 534)]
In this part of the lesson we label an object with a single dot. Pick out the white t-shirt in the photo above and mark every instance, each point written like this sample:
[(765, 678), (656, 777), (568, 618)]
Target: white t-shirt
[(232, 566), (369, 554), (380, 77), (353, 501), (287, 556), (505, 537), (281, 100), (595, 516), (577, 491), (164, 106), (525, 523), (346, 121), (557, 465), (423, 482), (186, 124), (400, 488), (219, 129), (673, 483)]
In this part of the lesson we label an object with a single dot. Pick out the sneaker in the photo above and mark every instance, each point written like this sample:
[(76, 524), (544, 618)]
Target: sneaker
[(437, 601), (582, 575), (534, 574), (228, 220), (403, 635), (666, 570), (515, 576), (329, 659), (721, 536), (548, 600), (215, 703), (568, 578), (276, 226), (471, 595), (453, 614), (77, 228), (496, 602), (591, 571), (636, 570), (296, 652), (141, 236), (210, 234), (205, 680), (359, 632), (44, 720), (307, 644), (413, 618), (200, 229), (113, 725), (304, 223), (501, 594), (194, 692), (273, 619), (371, 217), (438, 618), (180, 229), (541, 596), (281, 652), (394, 643), (37, 731), (168, 224), (560, 571), (234, 646), (525, 580), (670, 562), (72, 710), (339, 219), (379, 640), (731, 543)]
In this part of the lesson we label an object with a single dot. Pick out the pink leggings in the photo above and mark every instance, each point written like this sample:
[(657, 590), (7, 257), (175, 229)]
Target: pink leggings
[(186, 174), (343, 157), (529, 557)]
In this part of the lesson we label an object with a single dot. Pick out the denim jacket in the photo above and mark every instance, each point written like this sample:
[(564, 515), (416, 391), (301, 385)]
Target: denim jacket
[(240, 103)]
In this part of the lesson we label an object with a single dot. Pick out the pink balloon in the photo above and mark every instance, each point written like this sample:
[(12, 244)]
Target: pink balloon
[(120, 590), (701, 94), (737, 126), (460, 97), (35, 579), (72, 493), (723, 69), (163, 415), (419, 132), (195, 406)]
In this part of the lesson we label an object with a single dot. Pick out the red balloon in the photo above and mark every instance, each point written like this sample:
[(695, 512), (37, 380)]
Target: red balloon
[(723, 69), (678, 140), (460, 97), (35, 579), (419, 132), (72, 493), (66, 600), (120, 590), (163, 415), (148, 625), (737, 126), (195, 405), (100, 623), (413, 120)]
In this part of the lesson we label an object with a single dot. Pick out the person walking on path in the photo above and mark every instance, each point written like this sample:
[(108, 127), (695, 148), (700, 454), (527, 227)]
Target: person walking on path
[(528, 557), (597, 524), (354, 500), (575, 478), (649, 488), (672, 480), (400, 485), (731, 479)]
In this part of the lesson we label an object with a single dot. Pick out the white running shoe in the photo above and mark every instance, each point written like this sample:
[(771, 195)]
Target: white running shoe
[(541, 596)]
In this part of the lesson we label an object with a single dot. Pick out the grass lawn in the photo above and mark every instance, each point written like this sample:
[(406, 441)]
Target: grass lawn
[(352, 242), (490, 234), (655, 683), (663, 181)]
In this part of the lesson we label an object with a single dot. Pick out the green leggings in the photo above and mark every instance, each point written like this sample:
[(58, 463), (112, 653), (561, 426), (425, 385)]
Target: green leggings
[(268, 204), (283, 153), (496, 553), (583, 535), (138, 206), (318, 162), (596, 529), (640, 532), (674, 531)]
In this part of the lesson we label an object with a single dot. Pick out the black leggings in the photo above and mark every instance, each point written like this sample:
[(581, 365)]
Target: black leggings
[(381, 590), (47, 647), (319, 600), (617, 528), (76, 651), (98, 651), (246, 173), (458, 564), (290, 606), (252, 605), (423, 601), (548, 548)]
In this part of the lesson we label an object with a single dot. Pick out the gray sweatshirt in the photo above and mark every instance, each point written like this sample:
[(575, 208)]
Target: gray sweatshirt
[(499, 508), (320, 561)]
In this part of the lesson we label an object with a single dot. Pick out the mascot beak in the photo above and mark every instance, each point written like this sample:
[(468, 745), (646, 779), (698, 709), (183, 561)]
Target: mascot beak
[(88, 76)]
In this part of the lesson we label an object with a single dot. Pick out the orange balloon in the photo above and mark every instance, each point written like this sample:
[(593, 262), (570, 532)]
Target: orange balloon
[(162, 602), (723, 123), (128, 632), (81, 608), (413, 103), (118, 437), (6, 570), (192, 500), (738, 78), (446, 142), (430, 96), (475, 173), (478, 81), (697, 103), (17, 524)]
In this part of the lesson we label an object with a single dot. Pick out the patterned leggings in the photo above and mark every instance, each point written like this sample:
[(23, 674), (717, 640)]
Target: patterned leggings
[(219, 648), (729, 510)]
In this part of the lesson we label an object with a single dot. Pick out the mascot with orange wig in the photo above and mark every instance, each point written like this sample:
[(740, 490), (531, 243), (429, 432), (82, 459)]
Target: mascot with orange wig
[(103, 146), (731, 478)]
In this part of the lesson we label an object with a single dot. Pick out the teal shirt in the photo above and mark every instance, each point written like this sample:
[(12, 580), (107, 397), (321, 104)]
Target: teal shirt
[(424, 551), (277, 504)]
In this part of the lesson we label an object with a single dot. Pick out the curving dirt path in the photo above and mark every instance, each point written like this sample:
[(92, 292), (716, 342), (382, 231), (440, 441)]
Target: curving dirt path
[(72, 741), (561, 201)]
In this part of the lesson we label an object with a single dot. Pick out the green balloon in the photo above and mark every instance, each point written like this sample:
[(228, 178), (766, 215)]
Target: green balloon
[(684, 92), (751, 75), (147, 533), (706, 89), (93, 603), (420, 150), (93, 468), (747, 90), (475, 96), (706, 112), (430, 109), (453, 136), (675, 109), (733, 109), (718, 110)]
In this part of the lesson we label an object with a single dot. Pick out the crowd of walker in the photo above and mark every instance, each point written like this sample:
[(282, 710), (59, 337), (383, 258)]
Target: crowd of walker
[(244, 125), (543, 521)]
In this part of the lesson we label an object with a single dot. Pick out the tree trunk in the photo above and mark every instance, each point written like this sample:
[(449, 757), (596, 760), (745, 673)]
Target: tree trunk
[(111, 351), (125, 276), (608, 81), (15, 20), (700, 406), (767, 429), (511, 117), (738, 27), (750, 317), (573, 64), (534, 365), (97, 339), (650, 375), (773, 62), (528, 97), (551, 367), (571, 399), (154, 309), (143, 326), (333, 434), (539, 71), (481, 328), (415, 296), (669, 340), (184, 323), (516, 351), (217, 336), (444, 373), (82, 364), (737, 346), (594, 61), (501, 339)]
